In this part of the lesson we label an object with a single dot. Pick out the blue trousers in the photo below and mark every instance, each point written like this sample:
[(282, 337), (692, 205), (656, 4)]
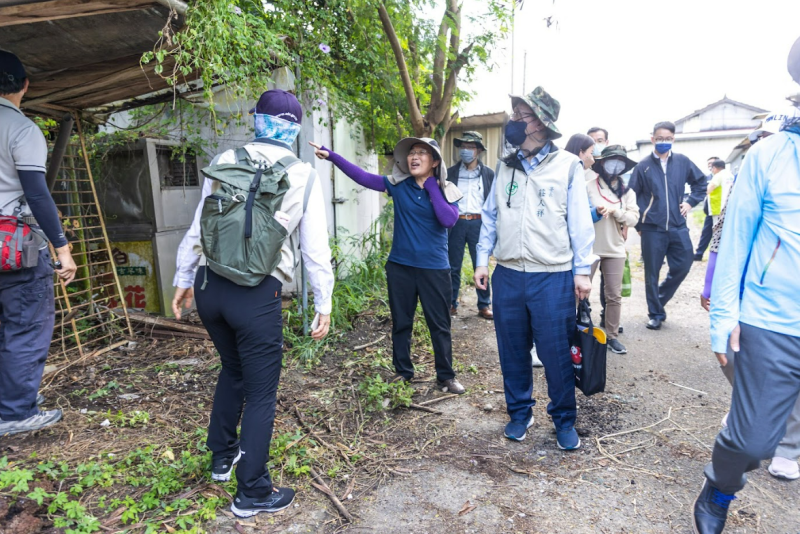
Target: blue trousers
[(540, 308), (27, 315), (465, 233), (677, 247)]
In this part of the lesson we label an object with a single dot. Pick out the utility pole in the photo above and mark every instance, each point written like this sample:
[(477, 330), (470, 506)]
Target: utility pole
[(524, 70), (513, 13)]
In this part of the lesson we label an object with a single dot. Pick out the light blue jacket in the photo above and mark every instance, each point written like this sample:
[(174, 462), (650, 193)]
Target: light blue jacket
[(763, 223)]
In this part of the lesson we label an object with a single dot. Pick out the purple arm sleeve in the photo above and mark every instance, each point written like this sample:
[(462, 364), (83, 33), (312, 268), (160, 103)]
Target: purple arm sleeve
[(712, 264), (356, 173), (446, 213)]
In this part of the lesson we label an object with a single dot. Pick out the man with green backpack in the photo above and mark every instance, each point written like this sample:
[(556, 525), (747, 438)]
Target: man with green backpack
[(255, 199)]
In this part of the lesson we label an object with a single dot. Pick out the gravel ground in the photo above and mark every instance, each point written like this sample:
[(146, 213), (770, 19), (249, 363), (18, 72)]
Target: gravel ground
[(667, 394)]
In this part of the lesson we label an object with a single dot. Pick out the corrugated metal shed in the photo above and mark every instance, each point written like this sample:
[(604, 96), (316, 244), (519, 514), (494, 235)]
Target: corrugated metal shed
[(490, 126), (83, 54)]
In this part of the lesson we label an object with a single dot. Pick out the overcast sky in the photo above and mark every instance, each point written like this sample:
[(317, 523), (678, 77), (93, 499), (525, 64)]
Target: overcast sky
[(626, 64)]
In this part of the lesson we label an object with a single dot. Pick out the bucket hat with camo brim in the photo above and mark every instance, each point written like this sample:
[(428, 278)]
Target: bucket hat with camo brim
[(469, 137), (545, 107)]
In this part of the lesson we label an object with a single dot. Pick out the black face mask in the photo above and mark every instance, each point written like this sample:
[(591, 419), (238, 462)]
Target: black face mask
[(515, 132)]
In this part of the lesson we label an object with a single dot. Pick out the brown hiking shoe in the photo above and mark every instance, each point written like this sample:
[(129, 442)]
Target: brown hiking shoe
[(487, 314), (452, 386), (398, 378), (453, 311)]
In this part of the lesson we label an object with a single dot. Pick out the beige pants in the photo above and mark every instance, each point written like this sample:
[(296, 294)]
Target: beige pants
[(612, 277)]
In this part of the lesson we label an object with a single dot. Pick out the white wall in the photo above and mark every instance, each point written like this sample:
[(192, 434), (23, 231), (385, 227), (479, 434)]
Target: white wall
[(358, 207)]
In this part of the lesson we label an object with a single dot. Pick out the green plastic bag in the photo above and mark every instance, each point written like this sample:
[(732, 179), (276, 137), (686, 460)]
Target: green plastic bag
[(626, 278)]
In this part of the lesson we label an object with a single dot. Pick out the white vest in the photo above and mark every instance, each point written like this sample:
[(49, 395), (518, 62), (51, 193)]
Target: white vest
[(532, 234)]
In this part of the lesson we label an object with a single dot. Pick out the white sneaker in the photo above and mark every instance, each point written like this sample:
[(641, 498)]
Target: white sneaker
[(784, 468), (536, 361), (34, 422), (725, 420)]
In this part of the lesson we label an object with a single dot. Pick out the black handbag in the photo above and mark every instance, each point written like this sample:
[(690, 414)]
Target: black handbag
[(588, 351)]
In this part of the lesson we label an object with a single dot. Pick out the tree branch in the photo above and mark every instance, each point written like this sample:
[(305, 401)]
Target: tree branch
[(439, 61), (417, 122), (450, 84)]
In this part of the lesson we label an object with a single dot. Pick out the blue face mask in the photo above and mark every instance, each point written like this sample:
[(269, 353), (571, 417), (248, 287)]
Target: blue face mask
[(663, 148), (275, 128), (467, 155), (515, 132)]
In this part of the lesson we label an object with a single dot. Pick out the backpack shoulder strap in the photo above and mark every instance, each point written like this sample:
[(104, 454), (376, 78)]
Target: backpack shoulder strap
[(242, 157), (285, 163)]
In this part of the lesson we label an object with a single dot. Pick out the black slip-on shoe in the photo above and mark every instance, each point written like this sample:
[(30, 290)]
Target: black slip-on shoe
[(654, 324), (276, 501), (710, 510), (616, 347)]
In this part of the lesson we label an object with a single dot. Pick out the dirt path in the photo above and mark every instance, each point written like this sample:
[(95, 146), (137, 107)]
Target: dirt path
[(642, 481)]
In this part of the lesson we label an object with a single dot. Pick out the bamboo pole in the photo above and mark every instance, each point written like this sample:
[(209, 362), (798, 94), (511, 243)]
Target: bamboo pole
[(103, 225)]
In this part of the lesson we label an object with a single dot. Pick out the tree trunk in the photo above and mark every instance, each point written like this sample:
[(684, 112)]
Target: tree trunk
[(447, 63)]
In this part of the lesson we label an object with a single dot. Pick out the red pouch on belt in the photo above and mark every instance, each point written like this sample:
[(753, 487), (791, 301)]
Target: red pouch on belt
[(19, 248)]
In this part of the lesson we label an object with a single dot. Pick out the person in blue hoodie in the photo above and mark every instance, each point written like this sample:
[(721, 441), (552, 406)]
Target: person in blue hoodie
[(659, 181), (760, 248)]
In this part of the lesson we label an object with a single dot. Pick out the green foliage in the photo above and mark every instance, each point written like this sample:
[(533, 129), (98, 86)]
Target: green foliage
[(226, 42), (337, 48), (381, 395), (360, 282), (161, 473), (103, 391), (292, 453), (130, 419)]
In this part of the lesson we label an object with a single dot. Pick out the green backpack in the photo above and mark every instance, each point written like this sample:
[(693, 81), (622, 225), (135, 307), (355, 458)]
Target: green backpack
[(240, 237)]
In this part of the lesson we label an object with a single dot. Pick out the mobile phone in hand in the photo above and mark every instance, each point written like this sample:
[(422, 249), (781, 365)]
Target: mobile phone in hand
[(315, 323)]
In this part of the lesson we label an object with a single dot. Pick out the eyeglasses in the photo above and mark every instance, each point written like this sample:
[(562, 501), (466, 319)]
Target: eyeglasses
[(419, 153), (517, 115), (664, 139)]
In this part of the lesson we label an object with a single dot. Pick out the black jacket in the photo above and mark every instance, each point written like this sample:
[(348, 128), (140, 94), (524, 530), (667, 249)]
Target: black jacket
[(659, 197), (487, 175)]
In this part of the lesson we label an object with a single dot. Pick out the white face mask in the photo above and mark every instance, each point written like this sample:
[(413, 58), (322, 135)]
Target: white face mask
[(614, 166), (598, 149)]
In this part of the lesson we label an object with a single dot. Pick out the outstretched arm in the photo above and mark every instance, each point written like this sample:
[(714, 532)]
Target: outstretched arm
[(446, 213), (353, 171)]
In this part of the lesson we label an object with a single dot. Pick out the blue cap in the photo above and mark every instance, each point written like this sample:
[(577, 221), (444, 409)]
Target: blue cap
[(11, 66), (280, 104)]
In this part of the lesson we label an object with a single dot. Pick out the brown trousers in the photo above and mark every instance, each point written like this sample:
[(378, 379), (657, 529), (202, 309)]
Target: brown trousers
[(612, 276)]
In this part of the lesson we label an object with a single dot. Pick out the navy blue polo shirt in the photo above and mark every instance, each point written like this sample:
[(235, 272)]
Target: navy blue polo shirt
[(419, 239)]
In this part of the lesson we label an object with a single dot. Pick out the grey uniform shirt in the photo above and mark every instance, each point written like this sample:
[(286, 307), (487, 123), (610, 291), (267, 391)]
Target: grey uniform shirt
[(22, 148)]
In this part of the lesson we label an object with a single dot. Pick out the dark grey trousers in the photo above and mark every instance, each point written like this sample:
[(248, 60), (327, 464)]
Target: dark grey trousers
[(765, 391), (789, 446)]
